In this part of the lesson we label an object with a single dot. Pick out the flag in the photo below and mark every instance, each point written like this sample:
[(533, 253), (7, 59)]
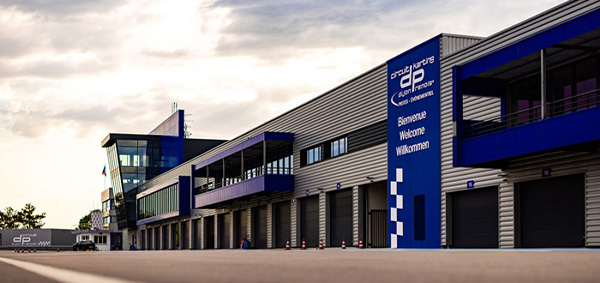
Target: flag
[(104, 170)]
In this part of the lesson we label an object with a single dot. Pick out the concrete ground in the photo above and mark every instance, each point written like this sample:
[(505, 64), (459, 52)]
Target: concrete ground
[(331, 265)]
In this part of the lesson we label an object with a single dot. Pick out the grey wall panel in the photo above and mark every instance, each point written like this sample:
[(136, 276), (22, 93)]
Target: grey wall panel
[(323, 218), (294, 224), (453, 43), (355, 215), (562, 164), (350, 170), (358, 103), (455, 178), (270, 238)]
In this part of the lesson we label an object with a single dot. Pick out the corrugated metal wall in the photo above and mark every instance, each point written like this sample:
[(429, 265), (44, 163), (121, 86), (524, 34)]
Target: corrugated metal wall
[(562, 164), (454, 179)]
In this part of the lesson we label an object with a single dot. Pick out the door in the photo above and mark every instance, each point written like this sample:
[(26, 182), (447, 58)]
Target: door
[(475, 218), (165, 237), (282, 225), (197, 234), (552, 212), (240, 227), (185, 234), (309, 221), (157, 238), (259, 240), (209, 232), (340, 203), (224, 231)]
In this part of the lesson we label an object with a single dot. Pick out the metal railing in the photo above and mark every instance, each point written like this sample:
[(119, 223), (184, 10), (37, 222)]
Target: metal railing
[(555, 108)]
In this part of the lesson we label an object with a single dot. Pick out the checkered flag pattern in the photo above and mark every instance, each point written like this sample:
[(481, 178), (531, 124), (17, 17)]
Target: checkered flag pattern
[(399, 231)]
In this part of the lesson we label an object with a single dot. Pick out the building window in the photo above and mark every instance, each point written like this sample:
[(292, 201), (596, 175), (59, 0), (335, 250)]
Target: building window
[(313, 155), (339, 147), (85, 237), (100, 239), (160, 202)]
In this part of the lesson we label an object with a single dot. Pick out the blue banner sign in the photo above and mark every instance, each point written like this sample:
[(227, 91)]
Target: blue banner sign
[(414, 158)]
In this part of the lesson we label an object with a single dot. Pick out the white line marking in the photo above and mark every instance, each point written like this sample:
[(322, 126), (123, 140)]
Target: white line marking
[(61, 275)]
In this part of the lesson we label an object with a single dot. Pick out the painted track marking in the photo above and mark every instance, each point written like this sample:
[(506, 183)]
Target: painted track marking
[(61, 275)]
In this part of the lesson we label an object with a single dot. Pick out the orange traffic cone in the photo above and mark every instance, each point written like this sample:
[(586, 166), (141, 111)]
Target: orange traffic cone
[(303, 244), (287, 245), (29, 250), (15, 250), (321, 244), (242, 244), (360, 244), (33, 250), (343, 244), (57, 249)]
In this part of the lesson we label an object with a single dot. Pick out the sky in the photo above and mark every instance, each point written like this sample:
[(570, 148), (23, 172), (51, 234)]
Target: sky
[(73, 71)]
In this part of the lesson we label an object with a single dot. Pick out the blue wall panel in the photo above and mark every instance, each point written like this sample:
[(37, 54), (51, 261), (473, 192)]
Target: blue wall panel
[(553, 133), (245, 188), (414, 157)]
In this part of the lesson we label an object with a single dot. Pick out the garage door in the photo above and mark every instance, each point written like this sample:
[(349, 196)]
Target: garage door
[(197, 234), (340, 218), (150, 246), (224, 231), (185, 234), (309, 221), (552, 212), (259, 240), (240, 227), (282, 216), (475, 218), (209, 232), (157, 238)]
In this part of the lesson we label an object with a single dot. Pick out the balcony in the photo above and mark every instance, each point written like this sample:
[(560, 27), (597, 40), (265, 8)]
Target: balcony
[(538, 95), (260, 164), (164, 201)]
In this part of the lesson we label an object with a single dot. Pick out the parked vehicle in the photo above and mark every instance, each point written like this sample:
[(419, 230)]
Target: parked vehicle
[(84, 245)]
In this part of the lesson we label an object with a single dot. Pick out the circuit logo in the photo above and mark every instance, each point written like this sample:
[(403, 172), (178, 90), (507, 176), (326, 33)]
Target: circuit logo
[(22, 239), (412, 78)]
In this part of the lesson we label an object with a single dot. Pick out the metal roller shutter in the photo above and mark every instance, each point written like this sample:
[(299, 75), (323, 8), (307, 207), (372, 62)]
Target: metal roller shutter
[(282, 223), (197, 234), (240, 227), (552, 212), (309, 221), (224, 234), (185, 234), (340, 204), (209, 232), (260, 227), (475, 218)]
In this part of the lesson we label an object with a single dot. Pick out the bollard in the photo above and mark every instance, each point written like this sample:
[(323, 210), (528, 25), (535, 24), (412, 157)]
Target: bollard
[(303, 244)]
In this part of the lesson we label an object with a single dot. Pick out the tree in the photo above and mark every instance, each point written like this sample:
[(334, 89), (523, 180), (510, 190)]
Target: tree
[(85, 223), (29, 220), (10, 219)]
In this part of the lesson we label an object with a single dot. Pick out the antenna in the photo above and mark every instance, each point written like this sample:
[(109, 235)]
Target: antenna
[(174, 107), (186, 133)]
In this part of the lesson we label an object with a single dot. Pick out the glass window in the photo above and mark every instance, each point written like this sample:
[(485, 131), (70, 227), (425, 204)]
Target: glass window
[(339, 147), (313, 155)]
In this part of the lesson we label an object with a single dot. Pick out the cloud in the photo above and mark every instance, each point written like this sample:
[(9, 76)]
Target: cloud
[(62, 7)]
